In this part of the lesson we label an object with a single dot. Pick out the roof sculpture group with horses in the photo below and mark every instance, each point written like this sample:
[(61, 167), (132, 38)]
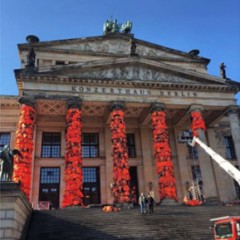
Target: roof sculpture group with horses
[(112, 26)]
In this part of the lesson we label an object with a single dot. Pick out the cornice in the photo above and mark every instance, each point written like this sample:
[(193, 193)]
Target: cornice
[(9, 105), (76, 40), (9, 102), (123, 83), (110, 63), (38, 45), (115, 55)]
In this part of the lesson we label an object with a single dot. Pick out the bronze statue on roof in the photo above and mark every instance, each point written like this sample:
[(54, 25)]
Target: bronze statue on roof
[(222, 70), (31, 58), (112, 26)]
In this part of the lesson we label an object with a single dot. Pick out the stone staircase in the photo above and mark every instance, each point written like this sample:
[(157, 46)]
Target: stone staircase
[(167, 222)]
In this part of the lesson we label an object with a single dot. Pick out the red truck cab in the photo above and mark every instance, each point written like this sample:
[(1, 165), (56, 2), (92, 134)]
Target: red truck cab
[(226, 228)]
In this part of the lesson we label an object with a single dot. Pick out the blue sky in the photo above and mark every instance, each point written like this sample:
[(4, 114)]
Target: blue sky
[(211, 26)]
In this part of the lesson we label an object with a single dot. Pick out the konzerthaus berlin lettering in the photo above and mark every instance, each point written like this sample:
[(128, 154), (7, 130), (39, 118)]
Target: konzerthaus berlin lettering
[(101, 119)]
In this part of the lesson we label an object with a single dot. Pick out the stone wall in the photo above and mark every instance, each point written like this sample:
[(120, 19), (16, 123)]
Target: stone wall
[(15, 212)]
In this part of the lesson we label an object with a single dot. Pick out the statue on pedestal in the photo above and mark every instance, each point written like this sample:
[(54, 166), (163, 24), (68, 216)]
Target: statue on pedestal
[(6, 162), (31, 58), (222, 70), (133, 47)]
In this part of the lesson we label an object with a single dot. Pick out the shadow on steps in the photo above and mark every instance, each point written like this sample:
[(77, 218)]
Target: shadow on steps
[(167, 222)]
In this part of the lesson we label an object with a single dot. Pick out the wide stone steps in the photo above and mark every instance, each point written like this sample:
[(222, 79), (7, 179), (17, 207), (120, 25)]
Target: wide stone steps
[(167, 222)]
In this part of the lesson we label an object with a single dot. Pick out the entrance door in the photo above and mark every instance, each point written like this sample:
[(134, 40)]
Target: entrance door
[(91, 185), (134, 184), (49, 185)]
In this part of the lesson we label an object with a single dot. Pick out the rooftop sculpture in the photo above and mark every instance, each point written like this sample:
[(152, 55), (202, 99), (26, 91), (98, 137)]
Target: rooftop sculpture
[(222, 70), (31, 58), (112, 26)]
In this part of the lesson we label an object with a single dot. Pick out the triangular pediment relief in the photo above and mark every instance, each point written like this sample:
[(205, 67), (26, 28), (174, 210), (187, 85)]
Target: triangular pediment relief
[(129, 69), (114, 45), (130, 73), (118, 46)]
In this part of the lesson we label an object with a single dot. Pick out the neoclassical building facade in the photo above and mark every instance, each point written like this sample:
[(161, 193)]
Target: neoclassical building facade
[(75, 95)]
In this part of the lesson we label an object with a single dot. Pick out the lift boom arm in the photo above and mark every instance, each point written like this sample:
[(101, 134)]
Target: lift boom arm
[(223, 163)]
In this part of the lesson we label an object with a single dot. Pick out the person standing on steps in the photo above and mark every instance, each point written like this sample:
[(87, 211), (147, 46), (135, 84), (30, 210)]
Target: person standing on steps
[(150, 203), (142, 203)]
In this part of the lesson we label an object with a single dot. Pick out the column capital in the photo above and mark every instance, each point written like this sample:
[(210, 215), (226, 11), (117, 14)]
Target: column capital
[(155, 107), (74, 102), (116, 105), (30, 101), (233, 109), (196, 108)]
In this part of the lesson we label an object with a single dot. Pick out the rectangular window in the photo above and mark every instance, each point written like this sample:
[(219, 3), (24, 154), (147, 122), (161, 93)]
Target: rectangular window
[(131, 145), (196, 173), (49, 187), (51, 145), (50, 175), (91, 185), (90, 145), (186, 136), (224, 230), (89, 175), (192, 152), (237, 187), (230, 151), (4, 139)]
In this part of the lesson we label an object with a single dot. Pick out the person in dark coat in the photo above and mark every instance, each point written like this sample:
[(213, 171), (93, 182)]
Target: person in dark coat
[(150, 203)]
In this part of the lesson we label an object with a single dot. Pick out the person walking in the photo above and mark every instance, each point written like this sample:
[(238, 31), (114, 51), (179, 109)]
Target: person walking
[(142, 203), (150, 203)]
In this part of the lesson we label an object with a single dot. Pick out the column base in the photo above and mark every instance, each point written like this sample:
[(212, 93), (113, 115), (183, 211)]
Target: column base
[(123, 206), (168, 202), (212, 201)]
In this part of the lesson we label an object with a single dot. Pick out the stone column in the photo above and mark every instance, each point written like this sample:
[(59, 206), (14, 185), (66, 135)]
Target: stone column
[(146, 158), (140, 173), (73, 155), (205, 162), (23, 166), (104, 185), (109, 165), (183, 164), (232, 113), (162, 154), (121, 177), (225, 184)]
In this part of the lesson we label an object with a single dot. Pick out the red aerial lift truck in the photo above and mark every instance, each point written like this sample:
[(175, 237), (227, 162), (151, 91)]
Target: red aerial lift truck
[(226, 228)]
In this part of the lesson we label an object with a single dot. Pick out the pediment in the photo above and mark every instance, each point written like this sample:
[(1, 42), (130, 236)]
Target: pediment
[(128, 69), (130, 73), (118, 46), (114, 45)]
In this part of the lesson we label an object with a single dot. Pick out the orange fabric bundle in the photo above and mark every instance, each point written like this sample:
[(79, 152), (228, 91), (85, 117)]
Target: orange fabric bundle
[(110, 209), (24, 143), (73, 160), (162, 155), (192, 203), (121, 175), (197, 123)]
